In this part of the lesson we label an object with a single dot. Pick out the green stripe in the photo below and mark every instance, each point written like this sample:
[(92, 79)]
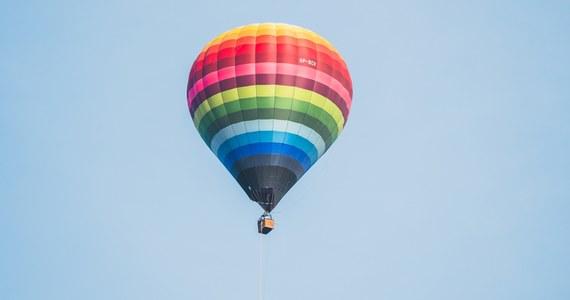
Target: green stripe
[(328, 136), (273, 108), (262, 91)]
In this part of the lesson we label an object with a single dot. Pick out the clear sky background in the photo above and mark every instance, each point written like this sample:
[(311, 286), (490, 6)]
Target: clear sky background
[(450, 181)]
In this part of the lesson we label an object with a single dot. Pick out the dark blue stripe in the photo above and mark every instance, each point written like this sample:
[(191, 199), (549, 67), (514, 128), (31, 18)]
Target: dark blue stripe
[(268, 137), (266, 148), (268, 160)]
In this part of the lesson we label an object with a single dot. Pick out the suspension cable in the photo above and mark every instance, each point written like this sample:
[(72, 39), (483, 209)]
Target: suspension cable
[(260, 266)]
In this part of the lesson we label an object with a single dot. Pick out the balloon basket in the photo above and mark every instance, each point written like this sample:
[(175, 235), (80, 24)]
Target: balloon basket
[(265, 224)]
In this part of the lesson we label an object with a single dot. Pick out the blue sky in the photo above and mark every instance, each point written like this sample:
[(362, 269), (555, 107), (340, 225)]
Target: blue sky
[(450, 181)]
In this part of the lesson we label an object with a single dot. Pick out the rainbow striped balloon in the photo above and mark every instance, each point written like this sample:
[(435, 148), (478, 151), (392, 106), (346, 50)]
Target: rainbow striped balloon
[(269, 100)]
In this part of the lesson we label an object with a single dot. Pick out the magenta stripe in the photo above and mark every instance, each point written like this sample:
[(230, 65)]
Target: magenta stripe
[(270, 68)]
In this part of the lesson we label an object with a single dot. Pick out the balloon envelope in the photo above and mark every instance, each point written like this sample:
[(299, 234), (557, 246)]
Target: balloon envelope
[(269, 100)]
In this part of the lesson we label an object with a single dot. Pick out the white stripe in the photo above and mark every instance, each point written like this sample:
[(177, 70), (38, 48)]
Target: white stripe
[(268, 125)]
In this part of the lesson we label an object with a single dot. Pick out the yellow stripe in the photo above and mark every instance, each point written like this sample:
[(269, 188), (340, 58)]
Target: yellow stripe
[(269, 90), (271, 29)]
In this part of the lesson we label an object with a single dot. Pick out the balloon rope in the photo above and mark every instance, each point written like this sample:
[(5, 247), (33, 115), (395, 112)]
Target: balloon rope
[(261, 267)]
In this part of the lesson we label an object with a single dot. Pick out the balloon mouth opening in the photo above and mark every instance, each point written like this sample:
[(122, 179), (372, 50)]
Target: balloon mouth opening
[(264, 196), (267, 184)]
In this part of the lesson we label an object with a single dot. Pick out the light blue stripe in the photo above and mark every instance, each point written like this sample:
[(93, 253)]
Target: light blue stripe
[(268, 125)]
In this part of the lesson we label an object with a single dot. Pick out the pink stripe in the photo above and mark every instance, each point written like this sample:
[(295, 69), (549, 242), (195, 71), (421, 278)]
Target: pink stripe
[(270, 68)]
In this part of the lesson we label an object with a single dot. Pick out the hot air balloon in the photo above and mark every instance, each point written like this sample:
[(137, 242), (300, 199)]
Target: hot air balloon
[(269, 100)]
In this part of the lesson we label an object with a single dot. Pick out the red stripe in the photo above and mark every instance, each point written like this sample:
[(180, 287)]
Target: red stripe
[(263, 79), (282, 58), (273, 49), (326, 57), (215, 59), (200, 70)]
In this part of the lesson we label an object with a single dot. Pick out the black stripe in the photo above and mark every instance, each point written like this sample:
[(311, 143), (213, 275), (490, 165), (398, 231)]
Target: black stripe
[(269, 160), (266, 185)]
